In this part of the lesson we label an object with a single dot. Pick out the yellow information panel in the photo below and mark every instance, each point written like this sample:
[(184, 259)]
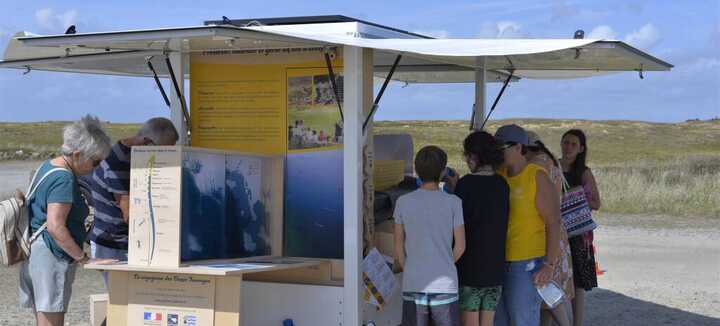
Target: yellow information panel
[(238, 107), (240, 102)]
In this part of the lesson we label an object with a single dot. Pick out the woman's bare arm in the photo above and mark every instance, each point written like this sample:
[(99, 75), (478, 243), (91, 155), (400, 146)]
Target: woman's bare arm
[(547, 202), (588, 180), (57, 214)]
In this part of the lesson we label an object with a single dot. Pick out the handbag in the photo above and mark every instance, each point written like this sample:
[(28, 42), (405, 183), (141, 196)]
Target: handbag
[(15, 238), (575, 211)]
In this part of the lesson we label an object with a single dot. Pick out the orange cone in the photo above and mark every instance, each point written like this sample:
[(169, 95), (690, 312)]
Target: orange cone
[(598, 270)]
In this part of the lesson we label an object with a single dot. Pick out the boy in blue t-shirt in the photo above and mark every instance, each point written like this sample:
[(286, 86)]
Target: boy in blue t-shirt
[(427, 221)]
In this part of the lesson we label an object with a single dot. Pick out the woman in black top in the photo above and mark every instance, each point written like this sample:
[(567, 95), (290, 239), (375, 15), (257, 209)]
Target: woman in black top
[(486, 205), (574, 149)]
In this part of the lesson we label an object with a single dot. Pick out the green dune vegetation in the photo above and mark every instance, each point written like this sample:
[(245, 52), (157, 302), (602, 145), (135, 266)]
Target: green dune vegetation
[(641, 167)]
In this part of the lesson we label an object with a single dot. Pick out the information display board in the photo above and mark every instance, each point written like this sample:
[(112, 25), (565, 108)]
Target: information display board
[(195, 204), (282, 103)]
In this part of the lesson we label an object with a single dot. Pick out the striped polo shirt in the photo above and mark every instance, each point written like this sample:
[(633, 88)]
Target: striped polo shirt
[(111, 177)]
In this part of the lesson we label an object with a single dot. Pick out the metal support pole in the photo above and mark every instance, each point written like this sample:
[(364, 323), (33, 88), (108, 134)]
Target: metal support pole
[(480, 92), (382, 91), (358, 74), (333, 84), (497, 99), (177, 113), (157, 81)]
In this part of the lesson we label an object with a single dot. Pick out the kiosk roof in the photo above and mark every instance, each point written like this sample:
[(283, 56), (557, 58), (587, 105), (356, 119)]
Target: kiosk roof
[(424, 60)]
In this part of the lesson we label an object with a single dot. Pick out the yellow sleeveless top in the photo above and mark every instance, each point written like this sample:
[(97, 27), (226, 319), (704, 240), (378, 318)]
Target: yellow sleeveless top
[(526, 228)]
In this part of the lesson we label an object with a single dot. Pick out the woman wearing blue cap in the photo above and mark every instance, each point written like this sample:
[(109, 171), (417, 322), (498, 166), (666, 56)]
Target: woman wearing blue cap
[(531, 251)]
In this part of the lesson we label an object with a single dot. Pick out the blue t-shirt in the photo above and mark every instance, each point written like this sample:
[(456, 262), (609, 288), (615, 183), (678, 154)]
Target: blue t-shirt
[(58, 187)]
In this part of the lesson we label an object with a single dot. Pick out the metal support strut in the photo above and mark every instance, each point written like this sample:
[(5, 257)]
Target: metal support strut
[(502, 90), (180, 96), (472, 119), (157, 81), (382, 91), (331, 76)]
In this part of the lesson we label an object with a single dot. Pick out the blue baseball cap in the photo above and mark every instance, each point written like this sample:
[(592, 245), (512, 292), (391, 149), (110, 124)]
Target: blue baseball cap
[(512, 134)]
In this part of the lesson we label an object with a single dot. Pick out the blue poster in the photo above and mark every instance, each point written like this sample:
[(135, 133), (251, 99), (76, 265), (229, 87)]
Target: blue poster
[(223, 215), (314, 204), (313, 177), (203, 206)]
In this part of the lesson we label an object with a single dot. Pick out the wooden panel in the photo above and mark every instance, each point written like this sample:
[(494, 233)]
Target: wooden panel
[(225, 267), (98, 308), (337, 269), (117, 299), (227, 300), (318, 274), (273, 192)]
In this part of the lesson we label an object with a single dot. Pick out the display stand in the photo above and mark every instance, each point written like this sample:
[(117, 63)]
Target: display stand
[(199, 294)]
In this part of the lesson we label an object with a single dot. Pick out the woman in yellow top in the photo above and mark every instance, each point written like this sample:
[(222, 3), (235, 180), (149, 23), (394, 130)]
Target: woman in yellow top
[(532, 248)]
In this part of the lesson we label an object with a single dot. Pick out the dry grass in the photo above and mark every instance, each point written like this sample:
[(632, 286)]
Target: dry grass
[(651, 168), (643, 168), (687, 186), (40, 140)]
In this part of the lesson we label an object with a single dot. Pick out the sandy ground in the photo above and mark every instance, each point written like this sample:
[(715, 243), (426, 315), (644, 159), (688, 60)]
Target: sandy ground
[(659, 271)]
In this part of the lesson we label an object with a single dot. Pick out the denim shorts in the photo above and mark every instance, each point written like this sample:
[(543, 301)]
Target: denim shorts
[(45, 280), (520, 302)]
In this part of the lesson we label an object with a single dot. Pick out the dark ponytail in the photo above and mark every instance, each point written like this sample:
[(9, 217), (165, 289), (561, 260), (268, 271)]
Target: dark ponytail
[(578, 167)]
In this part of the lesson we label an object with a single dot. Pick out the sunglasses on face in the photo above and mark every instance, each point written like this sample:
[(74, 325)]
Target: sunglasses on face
[(507, 145)]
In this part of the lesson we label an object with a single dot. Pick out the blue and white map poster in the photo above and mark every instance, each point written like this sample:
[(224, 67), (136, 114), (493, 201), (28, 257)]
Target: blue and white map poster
[(203, 206), (246, 226)]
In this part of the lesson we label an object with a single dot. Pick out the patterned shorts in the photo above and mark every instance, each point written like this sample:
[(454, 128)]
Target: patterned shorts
[(425, 309), (479, 298)]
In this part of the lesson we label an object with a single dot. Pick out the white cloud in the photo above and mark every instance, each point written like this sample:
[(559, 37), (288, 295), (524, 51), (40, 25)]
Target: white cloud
[(436, 33), (503, 29), (644, 38), (602, 32), (701, 65), (67, 18), (48, 20), (44, 18)]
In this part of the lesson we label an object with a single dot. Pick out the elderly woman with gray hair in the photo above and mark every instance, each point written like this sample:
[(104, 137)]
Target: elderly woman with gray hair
[(58, 211)]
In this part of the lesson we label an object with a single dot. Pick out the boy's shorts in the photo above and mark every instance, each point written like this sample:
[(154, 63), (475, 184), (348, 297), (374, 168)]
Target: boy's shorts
[(425, 309), (479, 298)]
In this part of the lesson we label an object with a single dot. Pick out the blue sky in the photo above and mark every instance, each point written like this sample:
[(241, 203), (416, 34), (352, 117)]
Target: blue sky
[(684, 33)]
